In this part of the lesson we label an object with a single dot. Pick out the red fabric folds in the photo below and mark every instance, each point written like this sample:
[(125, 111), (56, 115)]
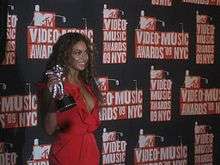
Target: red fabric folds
[(76, 143)]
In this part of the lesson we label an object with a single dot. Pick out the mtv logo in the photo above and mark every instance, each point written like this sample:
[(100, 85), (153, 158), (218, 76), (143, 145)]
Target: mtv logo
[(146, 141), (201, 19), (110, 13), (109, 136), (45, 149), (156, 74), (44, 19), (193, 82), (103, 84), (41, 152), (147, 23), (200, 129)]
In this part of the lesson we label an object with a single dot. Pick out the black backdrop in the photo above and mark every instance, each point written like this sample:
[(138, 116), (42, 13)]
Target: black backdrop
[(18, 76), (3, 20)]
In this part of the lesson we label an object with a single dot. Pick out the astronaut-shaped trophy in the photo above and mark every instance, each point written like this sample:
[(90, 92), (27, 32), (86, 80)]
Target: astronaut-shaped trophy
[(62, 100)]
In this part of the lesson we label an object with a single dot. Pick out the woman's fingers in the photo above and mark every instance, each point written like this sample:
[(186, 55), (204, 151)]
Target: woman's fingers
[(55, 86)]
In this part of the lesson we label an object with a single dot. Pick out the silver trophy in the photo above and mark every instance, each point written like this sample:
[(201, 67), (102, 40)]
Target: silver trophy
[(62, 100)]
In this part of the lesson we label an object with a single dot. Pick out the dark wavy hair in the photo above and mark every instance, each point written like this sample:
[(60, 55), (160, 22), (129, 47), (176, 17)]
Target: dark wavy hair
[(61, 55)]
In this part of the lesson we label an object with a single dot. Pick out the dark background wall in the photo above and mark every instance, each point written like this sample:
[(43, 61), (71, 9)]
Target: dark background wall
[(23, 75)]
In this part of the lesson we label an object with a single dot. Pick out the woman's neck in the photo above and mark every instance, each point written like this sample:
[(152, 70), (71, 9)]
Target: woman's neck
[(73, 76)]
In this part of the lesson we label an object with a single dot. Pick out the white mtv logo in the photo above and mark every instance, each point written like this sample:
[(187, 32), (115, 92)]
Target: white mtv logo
[(110, 13), (102, 83), (44, 19), (109, 136), (41, 152), (147, 23), (146, 141), (156, 74), (192, 82), (201, 18)]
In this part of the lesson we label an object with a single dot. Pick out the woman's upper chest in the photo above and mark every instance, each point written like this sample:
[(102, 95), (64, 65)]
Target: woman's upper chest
[(82, 94), (87, 98)]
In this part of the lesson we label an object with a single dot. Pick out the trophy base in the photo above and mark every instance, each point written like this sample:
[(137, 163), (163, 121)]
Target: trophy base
[(65, 104)]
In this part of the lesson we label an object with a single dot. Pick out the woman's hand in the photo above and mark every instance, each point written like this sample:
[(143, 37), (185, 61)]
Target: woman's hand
[(55, 86), (54, 82)]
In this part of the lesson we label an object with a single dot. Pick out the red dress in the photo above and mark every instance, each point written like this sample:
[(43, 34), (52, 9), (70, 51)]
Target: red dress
[(76, 145)]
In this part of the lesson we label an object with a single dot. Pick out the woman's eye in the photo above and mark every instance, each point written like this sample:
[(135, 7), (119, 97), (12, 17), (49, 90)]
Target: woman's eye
[(79, 52)]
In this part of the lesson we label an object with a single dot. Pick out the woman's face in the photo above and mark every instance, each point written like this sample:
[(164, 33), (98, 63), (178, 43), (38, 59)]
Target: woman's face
[(79, 56)]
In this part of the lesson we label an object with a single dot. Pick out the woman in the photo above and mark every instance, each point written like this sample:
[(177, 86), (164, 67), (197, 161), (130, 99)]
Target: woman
[(74, 142)]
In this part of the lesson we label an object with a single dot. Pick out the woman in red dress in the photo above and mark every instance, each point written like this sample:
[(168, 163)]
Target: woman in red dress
[(74, 142)]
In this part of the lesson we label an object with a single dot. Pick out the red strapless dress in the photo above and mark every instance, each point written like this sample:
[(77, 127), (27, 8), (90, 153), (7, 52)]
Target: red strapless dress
[(76, 145)]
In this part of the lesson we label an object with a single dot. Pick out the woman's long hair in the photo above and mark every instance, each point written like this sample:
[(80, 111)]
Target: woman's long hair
[(61, 56)]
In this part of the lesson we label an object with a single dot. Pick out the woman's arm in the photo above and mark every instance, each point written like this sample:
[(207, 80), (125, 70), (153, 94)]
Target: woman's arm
[(50, 123), (50, 119)]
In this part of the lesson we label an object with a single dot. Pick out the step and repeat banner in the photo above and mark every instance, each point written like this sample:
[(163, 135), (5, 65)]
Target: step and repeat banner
[(158, 65)]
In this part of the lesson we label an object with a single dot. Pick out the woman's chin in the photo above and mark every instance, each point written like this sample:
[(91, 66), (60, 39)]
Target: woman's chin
[(80, 68)]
